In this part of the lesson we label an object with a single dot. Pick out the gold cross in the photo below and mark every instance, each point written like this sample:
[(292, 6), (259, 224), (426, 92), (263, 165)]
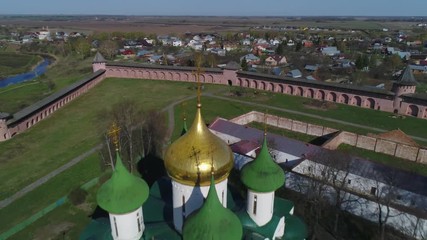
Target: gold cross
[(195, 153), (199, 70), (114, 133), (265, 122), (184, 110)]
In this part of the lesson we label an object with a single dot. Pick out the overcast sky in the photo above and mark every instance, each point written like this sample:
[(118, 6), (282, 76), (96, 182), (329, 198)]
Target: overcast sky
[(219, 7)]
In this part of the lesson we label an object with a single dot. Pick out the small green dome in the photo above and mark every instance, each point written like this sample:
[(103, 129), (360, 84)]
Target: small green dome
[(123, 192), (263, 174), (212, 221)]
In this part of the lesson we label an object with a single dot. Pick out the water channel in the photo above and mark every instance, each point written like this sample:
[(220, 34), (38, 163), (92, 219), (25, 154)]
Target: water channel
[(37, 71)]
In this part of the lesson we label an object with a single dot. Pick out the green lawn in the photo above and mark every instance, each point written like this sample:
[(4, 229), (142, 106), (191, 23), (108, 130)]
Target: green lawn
[(385, 159), (49, 192), (15, 63), (283, 132)]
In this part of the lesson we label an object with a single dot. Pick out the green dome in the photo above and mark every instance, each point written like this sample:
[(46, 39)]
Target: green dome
[(263, 174), (212, 221), (123, 192)]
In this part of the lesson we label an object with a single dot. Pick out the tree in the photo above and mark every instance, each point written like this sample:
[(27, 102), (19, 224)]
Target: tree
[(362, 61), (141, 133), (336, 175), (244, 64), (298, 46), (385, 193), (108, 48), (82, 47), (280, 50)]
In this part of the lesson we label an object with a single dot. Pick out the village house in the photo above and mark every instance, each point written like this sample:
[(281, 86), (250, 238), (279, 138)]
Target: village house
[(275, 60), (250, 59), (330, 51), (295, 73)]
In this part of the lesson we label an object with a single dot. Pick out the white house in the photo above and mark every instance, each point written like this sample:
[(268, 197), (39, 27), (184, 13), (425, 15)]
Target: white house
[(177, 43)]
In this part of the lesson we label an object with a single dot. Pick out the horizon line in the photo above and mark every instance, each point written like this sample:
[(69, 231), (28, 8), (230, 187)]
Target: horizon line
[(204, 16)]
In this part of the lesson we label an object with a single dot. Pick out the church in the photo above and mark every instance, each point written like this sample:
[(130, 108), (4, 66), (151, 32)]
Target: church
[(195, 201)]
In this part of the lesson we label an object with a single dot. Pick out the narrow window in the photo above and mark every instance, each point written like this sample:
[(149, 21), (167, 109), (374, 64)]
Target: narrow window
[(222, 197), (272, 205), (255, 203), (138, 222), (349, 181), (115, 226), (373, 190), (183, 205)]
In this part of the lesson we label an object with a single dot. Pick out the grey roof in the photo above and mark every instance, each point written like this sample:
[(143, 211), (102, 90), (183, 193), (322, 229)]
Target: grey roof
[(311, 67), (416, 97), (407, 78), (318, 84), (166, 67), (418, 67), (4, 115), (296, 73), (232, 65), (282, 144), (18, 116), (405, 180), (98, 58)]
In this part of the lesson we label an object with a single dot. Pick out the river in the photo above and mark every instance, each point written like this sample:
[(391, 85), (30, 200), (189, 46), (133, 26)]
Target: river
[(37, 71)]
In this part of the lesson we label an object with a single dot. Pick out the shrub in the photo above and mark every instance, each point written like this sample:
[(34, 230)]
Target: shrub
[(77, 196)]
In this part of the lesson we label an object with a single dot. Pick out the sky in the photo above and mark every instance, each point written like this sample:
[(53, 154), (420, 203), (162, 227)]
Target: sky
[(219, 7)]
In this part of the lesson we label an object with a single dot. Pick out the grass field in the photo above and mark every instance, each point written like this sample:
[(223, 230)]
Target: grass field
[(15, 63), (49, 192), (19, 96)]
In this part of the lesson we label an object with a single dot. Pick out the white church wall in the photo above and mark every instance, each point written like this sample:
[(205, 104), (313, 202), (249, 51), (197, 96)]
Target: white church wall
[(128, 226), (187, 199), (260, 206)]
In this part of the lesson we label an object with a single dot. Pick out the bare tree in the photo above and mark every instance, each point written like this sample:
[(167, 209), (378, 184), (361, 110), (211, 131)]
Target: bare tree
[(141, 133), (337, 176), (108, 48), (385, 193)]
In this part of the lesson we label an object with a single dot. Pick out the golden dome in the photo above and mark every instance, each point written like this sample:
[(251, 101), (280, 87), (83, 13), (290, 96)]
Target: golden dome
[(189, 159)]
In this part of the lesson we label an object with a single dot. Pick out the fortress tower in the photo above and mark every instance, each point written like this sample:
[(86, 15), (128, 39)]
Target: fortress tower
[(98, 62), (405, 84), (4, 132)]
